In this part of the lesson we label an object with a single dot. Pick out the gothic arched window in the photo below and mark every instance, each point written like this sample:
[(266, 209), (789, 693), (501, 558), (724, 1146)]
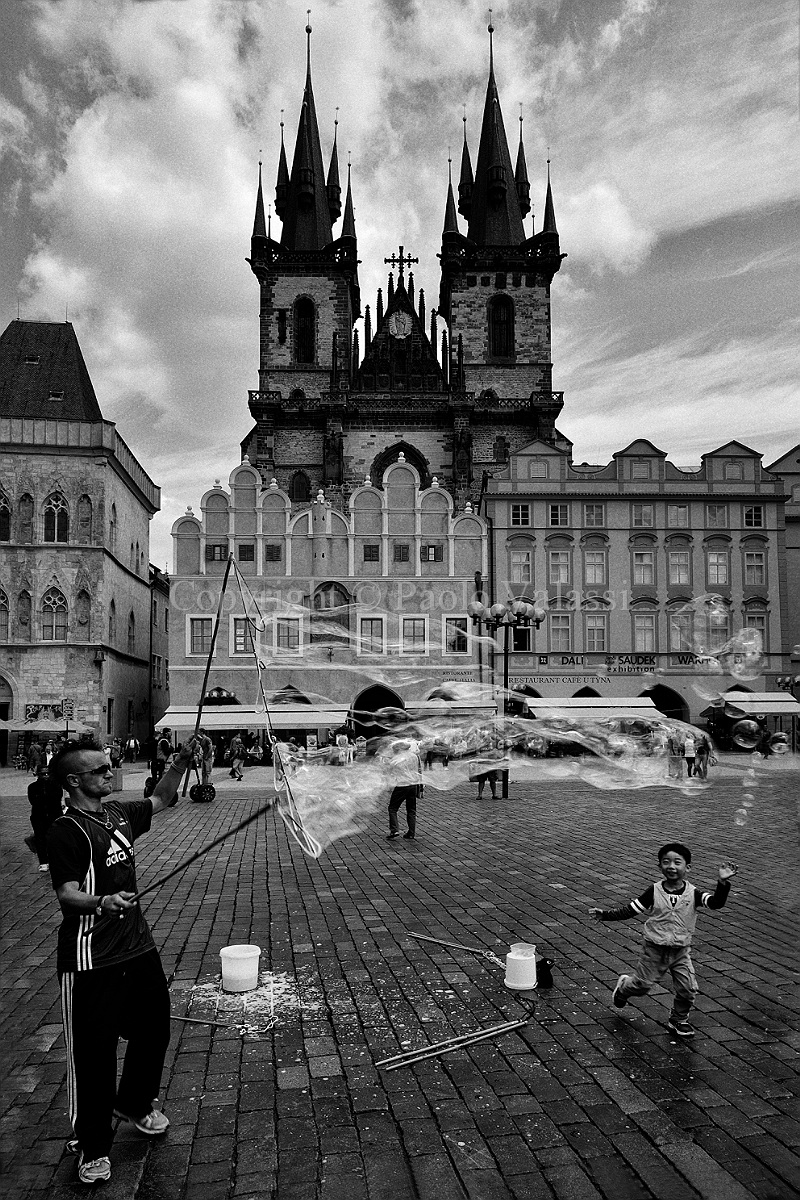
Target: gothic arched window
[(5, 518), (304, 330), (54, 616), (85, 520), (112, 622), (300, 487), (56, 518), (3, 616), (501, 327), (112, 530), (131, 633)]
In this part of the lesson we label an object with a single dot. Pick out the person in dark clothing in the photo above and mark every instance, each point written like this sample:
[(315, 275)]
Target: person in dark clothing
[(404, 770), (111, 978), (163, 751), (44, 797)]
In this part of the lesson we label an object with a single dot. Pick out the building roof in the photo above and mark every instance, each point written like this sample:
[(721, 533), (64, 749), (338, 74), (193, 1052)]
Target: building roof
[(42, 373)]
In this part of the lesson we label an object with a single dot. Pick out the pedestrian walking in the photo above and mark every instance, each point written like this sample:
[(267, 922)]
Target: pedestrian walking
[(44, 797), (206, 747), (112, 983), (404, 769), (689, 753), (673, 905), (702, 755), (36, 758), (131, 748), (675, 752), (236, 756), (163, 751)]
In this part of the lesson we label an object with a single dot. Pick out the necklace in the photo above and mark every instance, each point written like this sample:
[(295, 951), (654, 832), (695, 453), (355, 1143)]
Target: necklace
[(106, 824)]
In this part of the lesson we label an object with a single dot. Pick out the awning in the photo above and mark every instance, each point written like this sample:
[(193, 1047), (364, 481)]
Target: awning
[(243, 716), (591, 706), (755, 704)]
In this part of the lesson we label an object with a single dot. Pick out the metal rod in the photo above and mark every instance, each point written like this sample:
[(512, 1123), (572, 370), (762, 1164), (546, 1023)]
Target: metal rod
[(203, 1021), (451, 1041), (208, 662), (422, 937), (479, 1037), (205, 849)]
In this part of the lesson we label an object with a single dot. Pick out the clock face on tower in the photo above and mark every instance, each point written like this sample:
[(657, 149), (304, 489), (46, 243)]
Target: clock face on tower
[(400, 325)]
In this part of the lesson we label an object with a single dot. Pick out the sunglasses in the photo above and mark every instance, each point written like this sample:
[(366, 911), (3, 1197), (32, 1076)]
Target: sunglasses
[(98, 771)]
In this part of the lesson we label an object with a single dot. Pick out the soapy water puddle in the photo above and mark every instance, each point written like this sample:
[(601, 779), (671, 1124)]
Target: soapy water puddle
[(277, 997)]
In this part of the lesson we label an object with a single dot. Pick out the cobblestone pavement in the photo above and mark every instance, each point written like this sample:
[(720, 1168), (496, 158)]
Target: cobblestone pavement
[(586, 1101)]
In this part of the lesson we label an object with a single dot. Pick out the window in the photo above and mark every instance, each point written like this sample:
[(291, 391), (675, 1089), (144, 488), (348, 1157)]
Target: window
[(559, 566), (288, 634), (200, 632), (109, 714), (596, 633), (755, 568), (131, 633), (753, 620), (5, 519), (717, 569), (32, 360), (520, 514), (559, 514), (501, 327), (112, 529), (56, 518), (678, 516), (642, 516), (372, 635), (216, 551), (155, 670), (456, 640), (678, 566), (272, 552), (431, 553), (521, 571), (54, 616), (282, 326), (537, 468), (372, 554), (643, 567), (681, 627), (304, 331), (733, 470), (166, 618), (717, 516), (401, 554), (521, 639), (640, 469), (718, 630), (595, 566), (753, 516), (644, 632), (25, 518), (414, 635), (594, 515), (3, 616), (112, 622), (560, 632), (242, 636), (155, 611), (300, 488), (247, 552)]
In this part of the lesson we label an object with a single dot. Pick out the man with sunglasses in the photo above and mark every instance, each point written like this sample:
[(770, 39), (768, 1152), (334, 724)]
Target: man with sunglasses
[(112, 981)]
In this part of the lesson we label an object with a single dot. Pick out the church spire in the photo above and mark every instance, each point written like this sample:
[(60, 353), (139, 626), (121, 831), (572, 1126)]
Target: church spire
[(333, 187), (349, 222), (450, 218), (282, 184), (307, 218), (495, 217), (259, 224), (521, 175), (549, 223), (466, 179)]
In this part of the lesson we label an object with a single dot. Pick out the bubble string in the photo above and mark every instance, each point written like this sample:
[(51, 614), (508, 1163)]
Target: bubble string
[(288, 810)]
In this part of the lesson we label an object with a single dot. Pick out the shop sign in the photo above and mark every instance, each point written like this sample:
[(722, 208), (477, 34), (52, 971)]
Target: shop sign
[(43, 712)]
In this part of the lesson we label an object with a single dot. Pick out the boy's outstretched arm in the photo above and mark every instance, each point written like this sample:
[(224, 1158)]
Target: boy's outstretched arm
[(717, 898), (634, 908)]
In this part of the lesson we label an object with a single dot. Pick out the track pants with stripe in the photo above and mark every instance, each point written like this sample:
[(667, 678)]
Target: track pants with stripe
[(129, 1000)]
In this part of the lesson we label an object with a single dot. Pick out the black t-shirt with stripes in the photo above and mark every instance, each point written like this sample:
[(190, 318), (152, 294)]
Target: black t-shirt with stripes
[(101, 861)]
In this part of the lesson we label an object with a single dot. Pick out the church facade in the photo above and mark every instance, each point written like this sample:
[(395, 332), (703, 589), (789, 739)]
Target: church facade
[(454, 410)]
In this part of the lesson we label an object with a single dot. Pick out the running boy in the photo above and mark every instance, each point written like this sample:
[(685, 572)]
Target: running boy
[(673, 905)]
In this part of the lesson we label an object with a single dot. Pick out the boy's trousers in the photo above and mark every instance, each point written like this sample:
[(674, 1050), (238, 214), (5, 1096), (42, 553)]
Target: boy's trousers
[(129, 1000), (654, 963)]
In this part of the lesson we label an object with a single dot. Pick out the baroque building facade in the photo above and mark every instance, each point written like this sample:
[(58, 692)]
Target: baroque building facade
[(461, 402), (75, 509)]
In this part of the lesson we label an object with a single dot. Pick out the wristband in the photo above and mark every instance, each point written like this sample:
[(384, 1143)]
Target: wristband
[(99, 909)]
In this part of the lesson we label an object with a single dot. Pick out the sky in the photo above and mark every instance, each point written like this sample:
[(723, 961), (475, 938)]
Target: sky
[(130, 134)]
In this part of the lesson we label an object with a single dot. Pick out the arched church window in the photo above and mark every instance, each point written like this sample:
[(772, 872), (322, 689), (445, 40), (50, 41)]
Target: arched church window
[(300, 488), (112, 530), (5, 518), (54, 616), (112, 622), (131, 633), (501, 327), (56, 518), (304, 330), (3, 616)]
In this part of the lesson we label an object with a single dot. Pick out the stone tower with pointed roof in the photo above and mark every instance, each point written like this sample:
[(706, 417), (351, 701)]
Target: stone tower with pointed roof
[(325, 416)]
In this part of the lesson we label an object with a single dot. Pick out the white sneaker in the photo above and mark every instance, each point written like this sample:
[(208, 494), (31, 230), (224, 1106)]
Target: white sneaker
[(153, 1124), (44, 867), (96, 1171)]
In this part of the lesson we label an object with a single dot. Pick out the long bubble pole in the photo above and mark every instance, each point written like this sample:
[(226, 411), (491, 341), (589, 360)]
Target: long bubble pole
[(204, 850), (228, 566)]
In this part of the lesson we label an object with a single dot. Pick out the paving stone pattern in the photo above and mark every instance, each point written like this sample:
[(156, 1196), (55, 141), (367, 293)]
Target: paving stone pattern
[(584, 1102)]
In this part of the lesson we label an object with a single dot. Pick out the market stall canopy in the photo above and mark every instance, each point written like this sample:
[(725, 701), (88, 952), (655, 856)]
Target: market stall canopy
[(754, 704), (46, 725), (592, 706), (243, 716)]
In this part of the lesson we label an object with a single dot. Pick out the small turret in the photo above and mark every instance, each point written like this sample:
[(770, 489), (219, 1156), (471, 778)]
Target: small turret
[(466, 180), (332, 187), (521, 177), (282, 184), (349, 222)]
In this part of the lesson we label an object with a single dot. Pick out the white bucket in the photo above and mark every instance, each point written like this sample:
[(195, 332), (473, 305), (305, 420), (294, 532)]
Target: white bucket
[(521, 967), (239, 968)]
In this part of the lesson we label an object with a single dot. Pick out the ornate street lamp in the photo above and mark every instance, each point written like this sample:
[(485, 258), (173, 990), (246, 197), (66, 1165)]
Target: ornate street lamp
[(517, 614)]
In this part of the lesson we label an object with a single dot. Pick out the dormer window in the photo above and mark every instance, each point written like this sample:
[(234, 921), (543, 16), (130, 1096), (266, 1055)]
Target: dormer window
[(31, 360), (56, 395), (640, 469)]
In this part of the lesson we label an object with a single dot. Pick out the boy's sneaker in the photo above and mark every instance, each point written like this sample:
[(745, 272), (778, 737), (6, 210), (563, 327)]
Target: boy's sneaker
[(681, 1028), (98, 1170), (153, 1124), (409, 837), (390, 836), (617, 999)]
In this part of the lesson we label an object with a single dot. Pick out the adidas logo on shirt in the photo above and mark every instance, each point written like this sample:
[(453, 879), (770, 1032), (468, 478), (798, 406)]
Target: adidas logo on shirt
[(116, 856)]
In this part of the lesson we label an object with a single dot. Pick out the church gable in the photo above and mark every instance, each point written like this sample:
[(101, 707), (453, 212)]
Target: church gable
[(400, 356)]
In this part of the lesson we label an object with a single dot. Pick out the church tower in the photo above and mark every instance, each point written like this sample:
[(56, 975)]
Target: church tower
[(495, 283), (309, 301)]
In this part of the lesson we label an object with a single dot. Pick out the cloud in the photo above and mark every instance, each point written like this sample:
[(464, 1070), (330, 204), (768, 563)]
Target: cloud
[(598, 225)]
